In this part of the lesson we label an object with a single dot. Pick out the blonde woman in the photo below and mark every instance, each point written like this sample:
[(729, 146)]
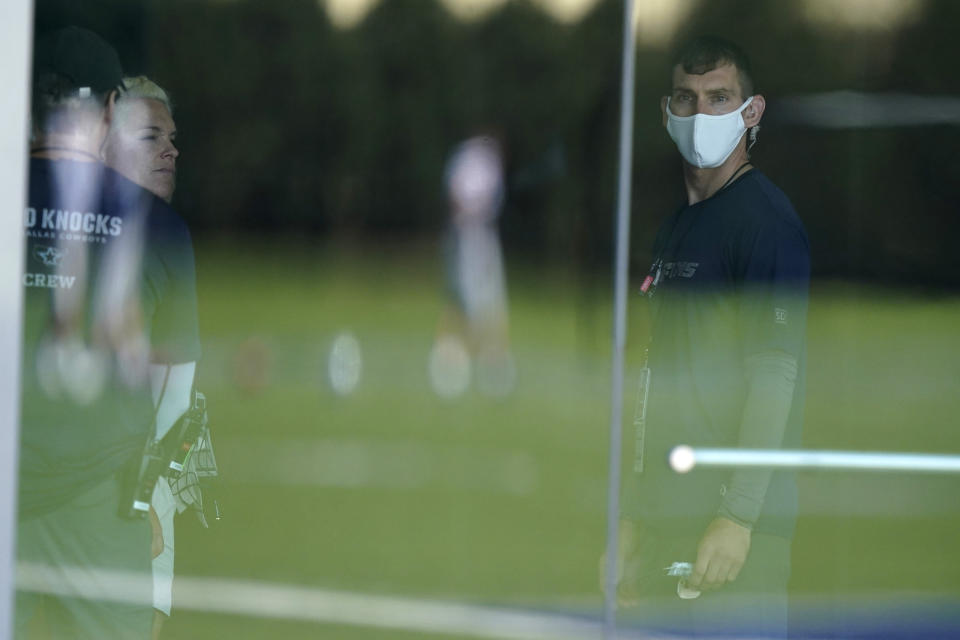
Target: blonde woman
[(140, 146)]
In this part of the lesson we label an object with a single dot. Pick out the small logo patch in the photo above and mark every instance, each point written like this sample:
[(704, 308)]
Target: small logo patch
[(680, 269), (50, 256), (779, 315)]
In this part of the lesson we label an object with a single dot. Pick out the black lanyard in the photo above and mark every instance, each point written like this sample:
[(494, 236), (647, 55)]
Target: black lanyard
[(655, 274)]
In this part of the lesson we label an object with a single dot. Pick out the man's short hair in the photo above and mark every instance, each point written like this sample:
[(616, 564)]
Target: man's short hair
[(143, 88), (74, 70), (706, 53)]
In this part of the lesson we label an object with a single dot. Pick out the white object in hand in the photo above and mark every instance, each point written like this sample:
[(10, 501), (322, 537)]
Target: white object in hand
[(684, 570)]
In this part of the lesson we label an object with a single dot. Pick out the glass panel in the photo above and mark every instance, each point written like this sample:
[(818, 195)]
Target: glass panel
[(15, 39), (387, 251)]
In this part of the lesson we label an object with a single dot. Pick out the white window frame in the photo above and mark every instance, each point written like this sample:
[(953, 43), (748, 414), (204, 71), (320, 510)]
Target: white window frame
[(16, 44)]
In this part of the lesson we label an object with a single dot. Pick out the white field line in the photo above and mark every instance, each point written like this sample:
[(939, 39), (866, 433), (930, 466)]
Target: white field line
[(387, 612), (308, 604), (683, 459), (420, 615)]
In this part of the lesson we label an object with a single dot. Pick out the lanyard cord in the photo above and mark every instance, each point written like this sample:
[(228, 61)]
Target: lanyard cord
[(656, 269), (658, 260), (156, 412), (732, 176)]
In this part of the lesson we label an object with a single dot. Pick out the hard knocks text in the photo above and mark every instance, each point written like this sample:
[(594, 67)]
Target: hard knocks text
[(71, 225)]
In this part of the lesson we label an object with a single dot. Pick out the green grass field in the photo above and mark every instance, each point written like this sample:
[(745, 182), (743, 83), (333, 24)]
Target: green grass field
[(393, 491)]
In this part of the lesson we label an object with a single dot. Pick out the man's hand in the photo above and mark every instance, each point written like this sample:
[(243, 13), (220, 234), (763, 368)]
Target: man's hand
[(722, 551), (156, 543), (626, 565)]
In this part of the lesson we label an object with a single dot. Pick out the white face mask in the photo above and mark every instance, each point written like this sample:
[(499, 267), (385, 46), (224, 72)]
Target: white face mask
[(707, 141)]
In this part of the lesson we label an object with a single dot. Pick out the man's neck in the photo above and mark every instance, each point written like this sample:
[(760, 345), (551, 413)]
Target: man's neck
[(704, 183), (66, 147)]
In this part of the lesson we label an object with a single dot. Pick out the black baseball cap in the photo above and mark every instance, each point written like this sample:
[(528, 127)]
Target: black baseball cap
[(81, 56)]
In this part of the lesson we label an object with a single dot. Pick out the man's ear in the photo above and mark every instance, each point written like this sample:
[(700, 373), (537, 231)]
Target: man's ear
[(663, 109), (109, 113), (753, 113), (110, 107)]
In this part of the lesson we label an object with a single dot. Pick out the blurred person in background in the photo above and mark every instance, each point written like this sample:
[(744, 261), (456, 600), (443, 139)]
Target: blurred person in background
[(109, 293), (728, 300), (140, 145), (473, 337)]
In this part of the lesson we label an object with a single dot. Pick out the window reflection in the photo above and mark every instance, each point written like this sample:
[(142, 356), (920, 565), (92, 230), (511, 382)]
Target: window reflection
[(316, 137)]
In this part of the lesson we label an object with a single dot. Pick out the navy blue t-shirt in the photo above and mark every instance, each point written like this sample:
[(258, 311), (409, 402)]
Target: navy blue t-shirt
[(734, 283), (109, 286)]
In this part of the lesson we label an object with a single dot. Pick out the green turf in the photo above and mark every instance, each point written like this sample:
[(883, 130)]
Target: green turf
[(502, 501)]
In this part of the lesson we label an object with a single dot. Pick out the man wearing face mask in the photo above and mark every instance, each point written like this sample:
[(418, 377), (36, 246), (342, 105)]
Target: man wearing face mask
[(728, 299)]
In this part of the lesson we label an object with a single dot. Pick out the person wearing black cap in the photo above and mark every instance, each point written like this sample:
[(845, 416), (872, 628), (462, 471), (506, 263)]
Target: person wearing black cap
[(109, 291)]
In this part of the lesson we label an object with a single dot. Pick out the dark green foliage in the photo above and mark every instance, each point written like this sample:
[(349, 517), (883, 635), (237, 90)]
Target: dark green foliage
[(289, 124)]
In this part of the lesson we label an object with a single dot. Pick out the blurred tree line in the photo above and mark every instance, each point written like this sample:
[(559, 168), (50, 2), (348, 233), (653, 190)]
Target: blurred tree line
[(288, 125)]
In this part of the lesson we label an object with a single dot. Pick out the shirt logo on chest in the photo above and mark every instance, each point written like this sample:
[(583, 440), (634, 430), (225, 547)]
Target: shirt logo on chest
[(50, 256), (679, 269)]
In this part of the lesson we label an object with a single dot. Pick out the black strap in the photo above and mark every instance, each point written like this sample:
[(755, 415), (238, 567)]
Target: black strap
[(732, 176), (156, 410), (657, 265)]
